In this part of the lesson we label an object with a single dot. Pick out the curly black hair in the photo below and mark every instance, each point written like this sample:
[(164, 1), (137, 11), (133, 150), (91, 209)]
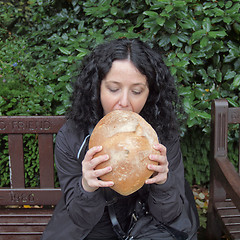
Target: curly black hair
[(86, 109)]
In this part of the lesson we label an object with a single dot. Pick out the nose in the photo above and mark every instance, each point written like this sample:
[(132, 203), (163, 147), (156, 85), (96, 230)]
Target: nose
[(124, 100)]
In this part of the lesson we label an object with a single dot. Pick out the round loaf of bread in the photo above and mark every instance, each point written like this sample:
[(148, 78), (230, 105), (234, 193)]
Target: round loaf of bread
[(128, 140)]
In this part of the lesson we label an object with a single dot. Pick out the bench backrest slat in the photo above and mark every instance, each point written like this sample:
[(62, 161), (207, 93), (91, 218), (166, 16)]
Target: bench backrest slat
[(17, 179), (46, 164)]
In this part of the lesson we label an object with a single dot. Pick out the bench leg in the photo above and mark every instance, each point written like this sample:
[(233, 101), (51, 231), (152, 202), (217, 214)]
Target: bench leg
[(213, 228)]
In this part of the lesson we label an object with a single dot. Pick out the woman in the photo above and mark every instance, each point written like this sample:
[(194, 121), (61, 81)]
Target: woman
[(123, 74)]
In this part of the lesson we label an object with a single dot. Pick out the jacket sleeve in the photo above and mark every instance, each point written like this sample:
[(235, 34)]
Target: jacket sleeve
[(166, 200), (84, 208)]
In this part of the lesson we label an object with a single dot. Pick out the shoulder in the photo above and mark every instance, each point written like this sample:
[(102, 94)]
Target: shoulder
[(70, 137), (172, 141), (71, 130)]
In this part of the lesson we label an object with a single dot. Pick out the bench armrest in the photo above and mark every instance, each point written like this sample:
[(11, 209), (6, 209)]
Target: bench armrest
[(228, 176)]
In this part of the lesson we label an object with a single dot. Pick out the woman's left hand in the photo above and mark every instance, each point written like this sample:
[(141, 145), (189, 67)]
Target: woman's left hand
[(161, 169)]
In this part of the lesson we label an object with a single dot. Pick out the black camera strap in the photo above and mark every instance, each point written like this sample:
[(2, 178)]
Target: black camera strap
[(176, 234), (112, 214)]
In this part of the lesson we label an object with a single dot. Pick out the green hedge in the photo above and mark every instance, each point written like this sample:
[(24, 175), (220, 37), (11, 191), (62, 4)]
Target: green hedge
[(42, 43)]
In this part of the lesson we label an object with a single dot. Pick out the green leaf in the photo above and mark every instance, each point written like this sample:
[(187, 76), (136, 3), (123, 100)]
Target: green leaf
[(64, 50), (63, 78), (211, 71), (189, 23), (218, 12), (183, 91), (114, 11), (232, 102), (192, 121), (69, 88), (188, 49), (215, 34), (229, 75), (173, 39), (169, 8), (187, 103), (60, 110), (82, 52), (203, 73), (151, 14), (236, 27), (229, 58), (219, 76), (236, 81), (164, 40), (50, 89), (227, 20), (183, 38), (179, 3), (81, 26), (198, 35), (234, 9), (182, 63), (204, 42), (170, 24), (228, 4), (160, 21), (108, 21), (203, 114), (207, 25)]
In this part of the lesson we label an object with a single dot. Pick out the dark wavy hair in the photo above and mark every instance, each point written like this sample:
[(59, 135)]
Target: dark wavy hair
[(86, 109)]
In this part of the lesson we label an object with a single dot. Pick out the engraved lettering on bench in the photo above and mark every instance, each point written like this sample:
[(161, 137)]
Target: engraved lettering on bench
[(2, 125), (235, 115), (22, 197), (221, 144), (31, 125)]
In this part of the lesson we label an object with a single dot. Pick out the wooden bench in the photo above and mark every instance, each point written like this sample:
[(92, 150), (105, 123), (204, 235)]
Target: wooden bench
[(224, 197), (28, 223)]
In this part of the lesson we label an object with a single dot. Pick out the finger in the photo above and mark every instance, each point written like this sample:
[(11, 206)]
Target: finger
[(100, 172), (162, 160), (94, 175), (91, 152), (106, 183), (161, 148), (95, 183), (97, 160), (158, 179), (158, 168)]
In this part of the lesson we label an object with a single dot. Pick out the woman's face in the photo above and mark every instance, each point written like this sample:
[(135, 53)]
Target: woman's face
[(123, 88)]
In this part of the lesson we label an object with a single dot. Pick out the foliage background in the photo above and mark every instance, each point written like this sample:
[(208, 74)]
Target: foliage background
[(42, 43)]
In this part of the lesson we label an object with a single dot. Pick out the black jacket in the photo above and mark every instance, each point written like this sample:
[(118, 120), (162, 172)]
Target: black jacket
[(79, 212)]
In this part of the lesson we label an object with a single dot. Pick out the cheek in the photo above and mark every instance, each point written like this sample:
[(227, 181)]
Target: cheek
[(106, 102), (138, 105)]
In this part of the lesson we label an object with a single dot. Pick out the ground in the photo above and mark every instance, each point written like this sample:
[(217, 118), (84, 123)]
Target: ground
[(201, 195)]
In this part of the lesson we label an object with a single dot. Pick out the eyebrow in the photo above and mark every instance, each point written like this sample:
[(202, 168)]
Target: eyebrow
[(135, 84)]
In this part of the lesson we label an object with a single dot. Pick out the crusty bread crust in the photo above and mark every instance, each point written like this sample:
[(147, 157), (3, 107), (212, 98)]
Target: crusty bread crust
[(128, 140)]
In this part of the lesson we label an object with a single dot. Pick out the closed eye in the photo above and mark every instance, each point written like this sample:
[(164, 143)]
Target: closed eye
[(113, 89), (137, 92)]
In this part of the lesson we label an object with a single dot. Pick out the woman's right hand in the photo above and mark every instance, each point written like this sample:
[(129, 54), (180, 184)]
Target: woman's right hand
[(90, 181)]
